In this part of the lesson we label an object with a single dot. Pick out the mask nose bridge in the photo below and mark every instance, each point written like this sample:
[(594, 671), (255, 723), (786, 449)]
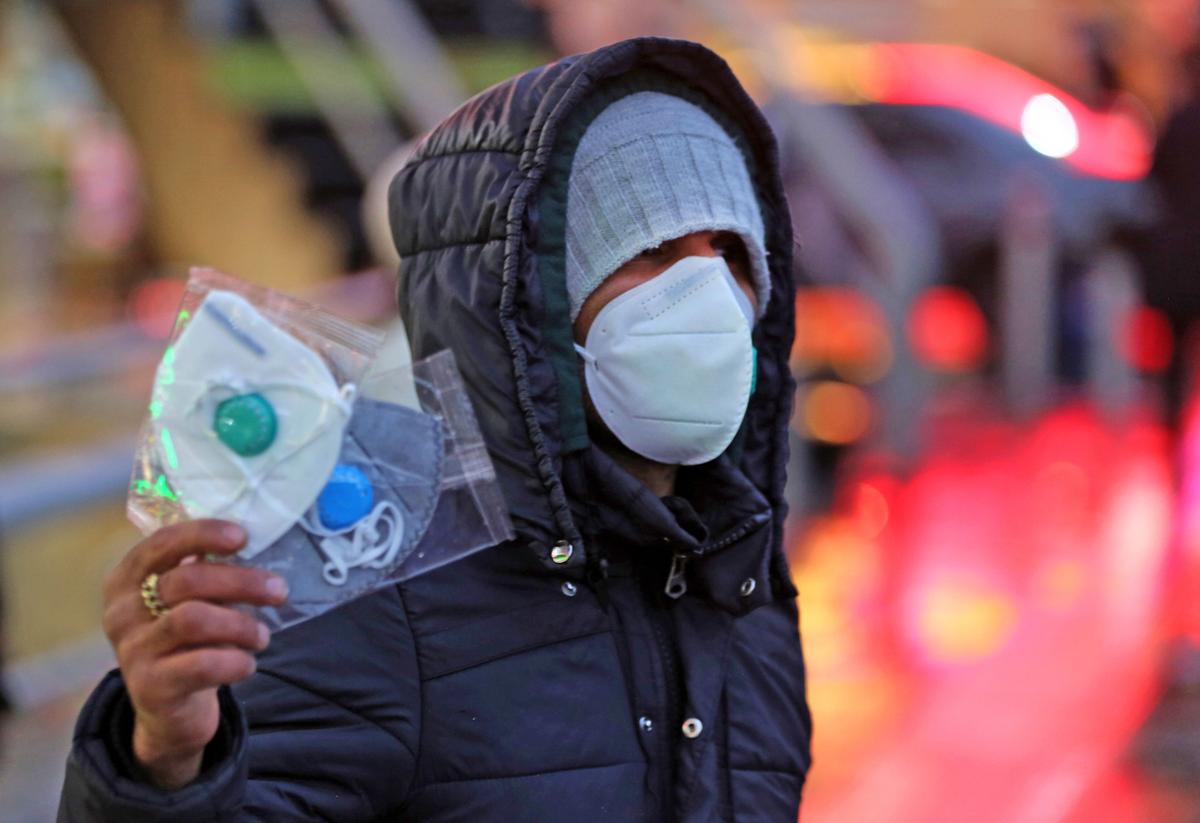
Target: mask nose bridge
[(674, 292)]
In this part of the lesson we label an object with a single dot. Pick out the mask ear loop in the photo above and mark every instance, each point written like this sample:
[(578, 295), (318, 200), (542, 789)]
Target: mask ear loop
[(364, 548), (588, 357)]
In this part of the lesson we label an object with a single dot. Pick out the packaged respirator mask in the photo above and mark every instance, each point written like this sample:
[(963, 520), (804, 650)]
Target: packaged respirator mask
[(349, 468)]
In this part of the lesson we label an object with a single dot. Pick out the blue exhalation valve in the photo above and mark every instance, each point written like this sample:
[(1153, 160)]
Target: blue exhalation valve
[(346, 498)]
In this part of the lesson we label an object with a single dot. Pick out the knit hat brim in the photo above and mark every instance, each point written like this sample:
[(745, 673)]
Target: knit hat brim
[(652, 168)]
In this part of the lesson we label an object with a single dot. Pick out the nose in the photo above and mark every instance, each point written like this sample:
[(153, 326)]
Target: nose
[(699, 244)]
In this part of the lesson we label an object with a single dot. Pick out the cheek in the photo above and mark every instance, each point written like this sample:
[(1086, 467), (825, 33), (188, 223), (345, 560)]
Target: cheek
[(587, 314)]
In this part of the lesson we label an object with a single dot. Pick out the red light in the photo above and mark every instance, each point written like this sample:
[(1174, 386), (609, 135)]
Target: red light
[(947, 330), (1020, 564), (835, 412), (871, 511), (1146, 340), (843, 329), (1111, 143), (152, 305)]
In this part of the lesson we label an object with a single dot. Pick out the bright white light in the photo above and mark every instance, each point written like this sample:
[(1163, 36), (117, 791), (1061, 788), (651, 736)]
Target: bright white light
[(1049, 127)]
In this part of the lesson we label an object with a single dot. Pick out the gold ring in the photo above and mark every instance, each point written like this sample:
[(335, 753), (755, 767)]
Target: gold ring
[(150, 596)]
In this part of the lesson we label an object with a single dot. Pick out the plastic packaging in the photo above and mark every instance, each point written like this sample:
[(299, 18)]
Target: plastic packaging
[(450, 502), (348, 470)]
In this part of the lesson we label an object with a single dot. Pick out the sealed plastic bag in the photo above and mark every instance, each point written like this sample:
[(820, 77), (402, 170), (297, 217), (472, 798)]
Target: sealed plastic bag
[(283, 418), (413, 489)]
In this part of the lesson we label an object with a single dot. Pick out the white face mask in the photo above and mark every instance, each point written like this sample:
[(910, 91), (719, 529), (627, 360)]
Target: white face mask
[(670, 363), (249, 420)]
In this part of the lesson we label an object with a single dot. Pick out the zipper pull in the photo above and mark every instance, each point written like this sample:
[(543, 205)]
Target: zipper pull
[(676, 583)]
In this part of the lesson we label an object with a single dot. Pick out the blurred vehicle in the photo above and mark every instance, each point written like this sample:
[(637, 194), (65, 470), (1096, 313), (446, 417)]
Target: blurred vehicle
[(973, 163), (986, 614)]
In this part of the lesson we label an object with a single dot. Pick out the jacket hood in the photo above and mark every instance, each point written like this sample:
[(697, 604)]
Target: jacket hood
[(477, 215)]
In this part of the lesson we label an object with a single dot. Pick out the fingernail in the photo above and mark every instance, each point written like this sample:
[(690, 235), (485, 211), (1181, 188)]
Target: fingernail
[(233, 533), (264, 635), (277, 587)]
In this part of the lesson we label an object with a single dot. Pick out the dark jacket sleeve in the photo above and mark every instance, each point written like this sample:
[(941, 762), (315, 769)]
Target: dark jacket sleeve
[(326, 730)]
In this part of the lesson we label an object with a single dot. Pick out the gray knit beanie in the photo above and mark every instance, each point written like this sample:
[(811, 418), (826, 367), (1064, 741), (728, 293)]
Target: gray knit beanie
[(650, 168)]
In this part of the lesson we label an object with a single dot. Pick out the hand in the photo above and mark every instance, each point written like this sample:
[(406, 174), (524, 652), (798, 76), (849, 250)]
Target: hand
[(173, 664)]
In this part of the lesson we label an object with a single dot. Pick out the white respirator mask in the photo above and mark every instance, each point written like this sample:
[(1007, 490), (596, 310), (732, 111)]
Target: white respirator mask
[(670, 364), (249, 420)]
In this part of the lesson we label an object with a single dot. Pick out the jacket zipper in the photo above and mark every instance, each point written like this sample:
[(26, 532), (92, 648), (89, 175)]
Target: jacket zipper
[(676, 579), (664, 636)]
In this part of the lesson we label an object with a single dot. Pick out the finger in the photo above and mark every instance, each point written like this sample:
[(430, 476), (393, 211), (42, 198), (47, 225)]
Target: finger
[(171, 544), (175, 676), (221, 583), (122, 613), (195, 623), (213, 582)]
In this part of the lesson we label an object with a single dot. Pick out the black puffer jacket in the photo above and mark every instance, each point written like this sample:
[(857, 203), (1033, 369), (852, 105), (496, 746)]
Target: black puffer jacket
[(508, 687)]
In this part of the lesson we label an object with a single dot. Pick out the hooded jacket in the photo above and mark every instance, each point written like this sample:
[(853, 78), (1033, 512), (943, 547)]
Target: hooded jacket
[(550, 678)]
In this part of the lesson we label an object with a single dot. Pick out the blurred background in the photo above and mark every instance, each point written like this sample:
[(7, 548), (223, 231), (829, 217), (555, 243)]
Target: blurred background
[(996, 443)]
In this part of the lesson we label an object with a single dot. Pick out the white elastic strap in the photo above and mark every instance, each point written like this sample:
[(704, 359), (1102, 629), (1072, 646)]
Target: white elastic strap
[(587, 356), (366, 547)]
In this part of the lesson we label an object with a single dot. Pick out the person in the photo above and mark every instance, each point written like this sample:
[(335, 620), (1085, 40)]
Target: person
[(599, 241)]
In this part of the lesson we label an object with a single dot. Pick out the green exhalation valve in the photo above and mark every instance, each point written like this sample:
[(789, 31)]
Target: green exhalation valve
[(246, 424)]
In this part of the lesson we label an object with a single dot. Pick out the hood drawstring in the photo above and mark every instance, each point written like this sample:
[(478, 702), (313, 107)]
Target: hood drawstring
[(596, 570)]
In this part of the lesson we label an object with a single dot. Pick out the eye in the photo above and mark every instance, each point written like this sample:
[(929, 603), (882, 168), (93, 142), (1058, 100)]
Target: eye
[(731, 248), (653, 251)]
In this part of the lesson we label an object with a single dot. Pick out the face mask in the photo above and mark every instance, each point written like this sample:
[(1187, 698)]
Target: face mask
[(373, 511), (669, 363), (381, 495), (249, 420)]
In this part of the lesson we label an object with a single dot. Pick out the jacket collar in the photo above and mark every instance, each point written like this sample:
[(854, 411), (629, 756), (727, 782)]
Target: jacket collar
[(716, 522)]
